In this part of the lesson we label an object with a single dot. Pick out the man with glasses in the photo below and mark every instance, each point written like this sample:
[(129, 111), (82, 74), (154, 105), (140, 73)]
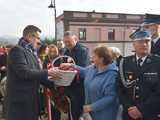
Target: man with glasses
[(24, 76)]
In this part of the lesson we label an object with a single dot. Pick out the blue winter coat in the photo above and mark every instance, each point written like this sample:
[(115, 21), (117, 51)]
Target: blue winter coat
[(100, 91)]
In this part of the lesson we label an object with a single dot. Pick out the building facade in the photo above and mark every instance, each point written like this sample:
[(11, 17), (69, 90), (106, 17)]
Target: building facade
[(96, 28)]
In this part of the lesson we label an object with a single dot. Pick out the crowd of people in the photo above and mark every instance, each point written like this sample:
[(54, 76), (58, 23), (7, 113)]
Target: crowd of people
[(108, 85)]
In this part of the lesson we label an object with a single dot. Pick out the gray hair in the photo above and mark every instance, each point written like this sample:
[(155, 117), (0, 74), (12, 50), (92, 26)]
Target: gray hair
[(115, 52), (70, 33)]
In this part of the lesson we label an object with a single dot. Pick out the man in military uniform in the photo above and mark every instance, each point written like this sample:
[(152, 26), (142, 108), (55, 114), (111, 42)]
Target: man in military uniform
[(152, 23), (139, 81)]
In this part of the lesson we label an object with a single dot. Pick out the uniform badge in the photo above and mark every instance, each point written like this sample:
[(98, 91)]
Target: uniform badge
[(130, 76)]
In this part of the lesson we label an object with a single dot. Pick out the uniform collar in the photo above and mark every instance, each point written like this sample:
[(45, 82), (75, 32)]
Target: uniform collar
[(155, 40), (143, 59), (76, 47)]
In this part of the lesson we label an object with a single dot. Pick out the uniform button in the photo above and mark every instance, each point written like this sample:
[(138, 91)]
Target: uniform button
[(137, 88), (137, 79), (137, 96)]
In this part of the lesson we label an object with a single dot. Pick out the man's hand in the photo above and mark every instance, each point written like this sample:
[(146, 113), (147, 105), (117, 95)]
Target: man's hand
[(134, 113), (158, 115), (65, 66), (87, 108), (54, 74)]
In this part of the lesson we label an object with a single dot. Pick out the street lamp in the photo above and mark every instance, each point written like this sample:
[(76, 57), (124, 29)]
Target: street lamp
[(53, 6)]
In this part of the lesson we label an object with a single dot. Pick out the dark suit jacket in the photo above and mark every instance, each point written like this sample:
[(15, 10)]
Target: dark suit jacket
[(23, 79), (145, 94), (80, 55), (155, 48)]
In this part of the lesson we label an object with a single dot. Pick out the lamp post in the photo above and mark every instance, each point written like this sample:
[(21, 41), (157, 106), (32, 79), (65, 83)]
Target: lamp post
[(53, 6)]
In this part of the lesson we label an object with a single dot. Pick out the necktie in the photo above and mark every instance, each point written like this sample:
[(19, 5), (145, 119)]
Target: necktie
[(139, 62)]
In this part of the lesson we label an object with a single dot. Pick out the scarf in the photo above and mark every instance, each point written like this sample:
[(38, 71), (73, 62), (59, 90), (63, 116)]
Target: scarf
[(25, 44)]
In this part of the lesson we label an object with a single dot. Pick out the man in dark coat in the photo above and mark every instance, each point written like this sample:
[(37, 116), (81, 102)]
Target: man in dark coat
[(152, 24), (81, 57), (139, 81), (24, 77)]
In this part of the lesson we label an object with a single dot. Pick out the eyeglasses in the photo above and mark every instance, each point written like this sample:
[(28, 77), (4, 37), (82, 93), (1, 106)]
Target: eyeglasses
[(37, 37), (39, 44)]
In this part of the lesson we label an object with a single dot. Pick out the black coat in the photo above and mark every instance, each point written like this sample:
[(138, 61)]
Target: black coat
[(155, 48), (145, 94), (23, 79), (80, 55)]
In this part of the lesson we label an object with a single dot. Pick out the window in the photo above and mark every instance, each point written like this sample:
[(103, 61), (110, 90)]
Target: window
[(97, 34), (111, 34), (80, 15), (82, 34), (112, 16), (133, 17)]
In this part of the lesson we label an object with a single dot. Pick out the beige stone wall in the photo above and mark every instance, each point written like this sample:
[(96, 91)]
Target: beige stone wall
[(121, 33), (125, 47)]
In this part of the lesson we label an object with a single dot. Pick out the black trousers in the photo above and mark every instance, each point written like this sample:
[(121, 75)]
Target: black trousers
[(76, 94)]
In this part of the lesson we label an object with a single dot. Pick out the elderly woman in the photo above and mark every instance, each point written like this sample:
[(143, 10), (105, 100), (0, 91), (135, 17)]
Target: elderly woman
[(100, 85)]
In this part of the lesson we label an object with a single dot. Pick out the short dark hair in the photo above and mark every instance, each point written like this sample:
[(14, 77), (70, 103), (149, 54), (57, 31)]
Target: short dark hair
[(69, 33), (105, 53), (30, 29)]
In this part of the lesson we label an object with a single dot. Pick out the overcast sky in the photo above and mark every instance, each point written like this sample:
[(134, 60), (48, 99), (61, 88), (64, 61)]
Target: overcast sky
[(16, 14)]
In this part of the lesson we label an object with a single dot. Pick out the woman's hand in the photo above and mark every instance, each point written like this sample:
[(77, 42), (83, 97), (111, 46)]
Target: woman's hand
[(87, 108), (65, 66)]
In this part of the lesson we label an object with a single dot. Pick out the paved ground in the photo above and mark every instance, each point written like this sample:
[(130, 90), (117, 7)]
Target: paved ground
[(1, 118), (1, 112)]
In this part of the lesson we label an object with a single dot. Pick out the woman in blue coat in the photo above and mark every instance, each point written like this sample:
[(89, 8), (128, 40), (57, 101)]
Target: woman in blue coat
[(100, 85)]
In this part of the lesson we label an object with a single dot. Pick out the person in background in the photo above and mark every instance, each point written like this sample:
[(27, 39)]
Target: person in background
[(3, 68), (3, 61), (152, 24), (24, 76), (116, 54), (52, 54), (60, 46), (81, 57), (42, 52), (100, 85), (139, 80)]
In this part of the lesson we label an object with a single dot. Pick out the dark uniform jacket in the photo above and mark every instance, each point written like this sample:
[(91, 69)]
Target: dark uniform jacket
[(145, 93), (23, 79), (155, 48), (76, 91)]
